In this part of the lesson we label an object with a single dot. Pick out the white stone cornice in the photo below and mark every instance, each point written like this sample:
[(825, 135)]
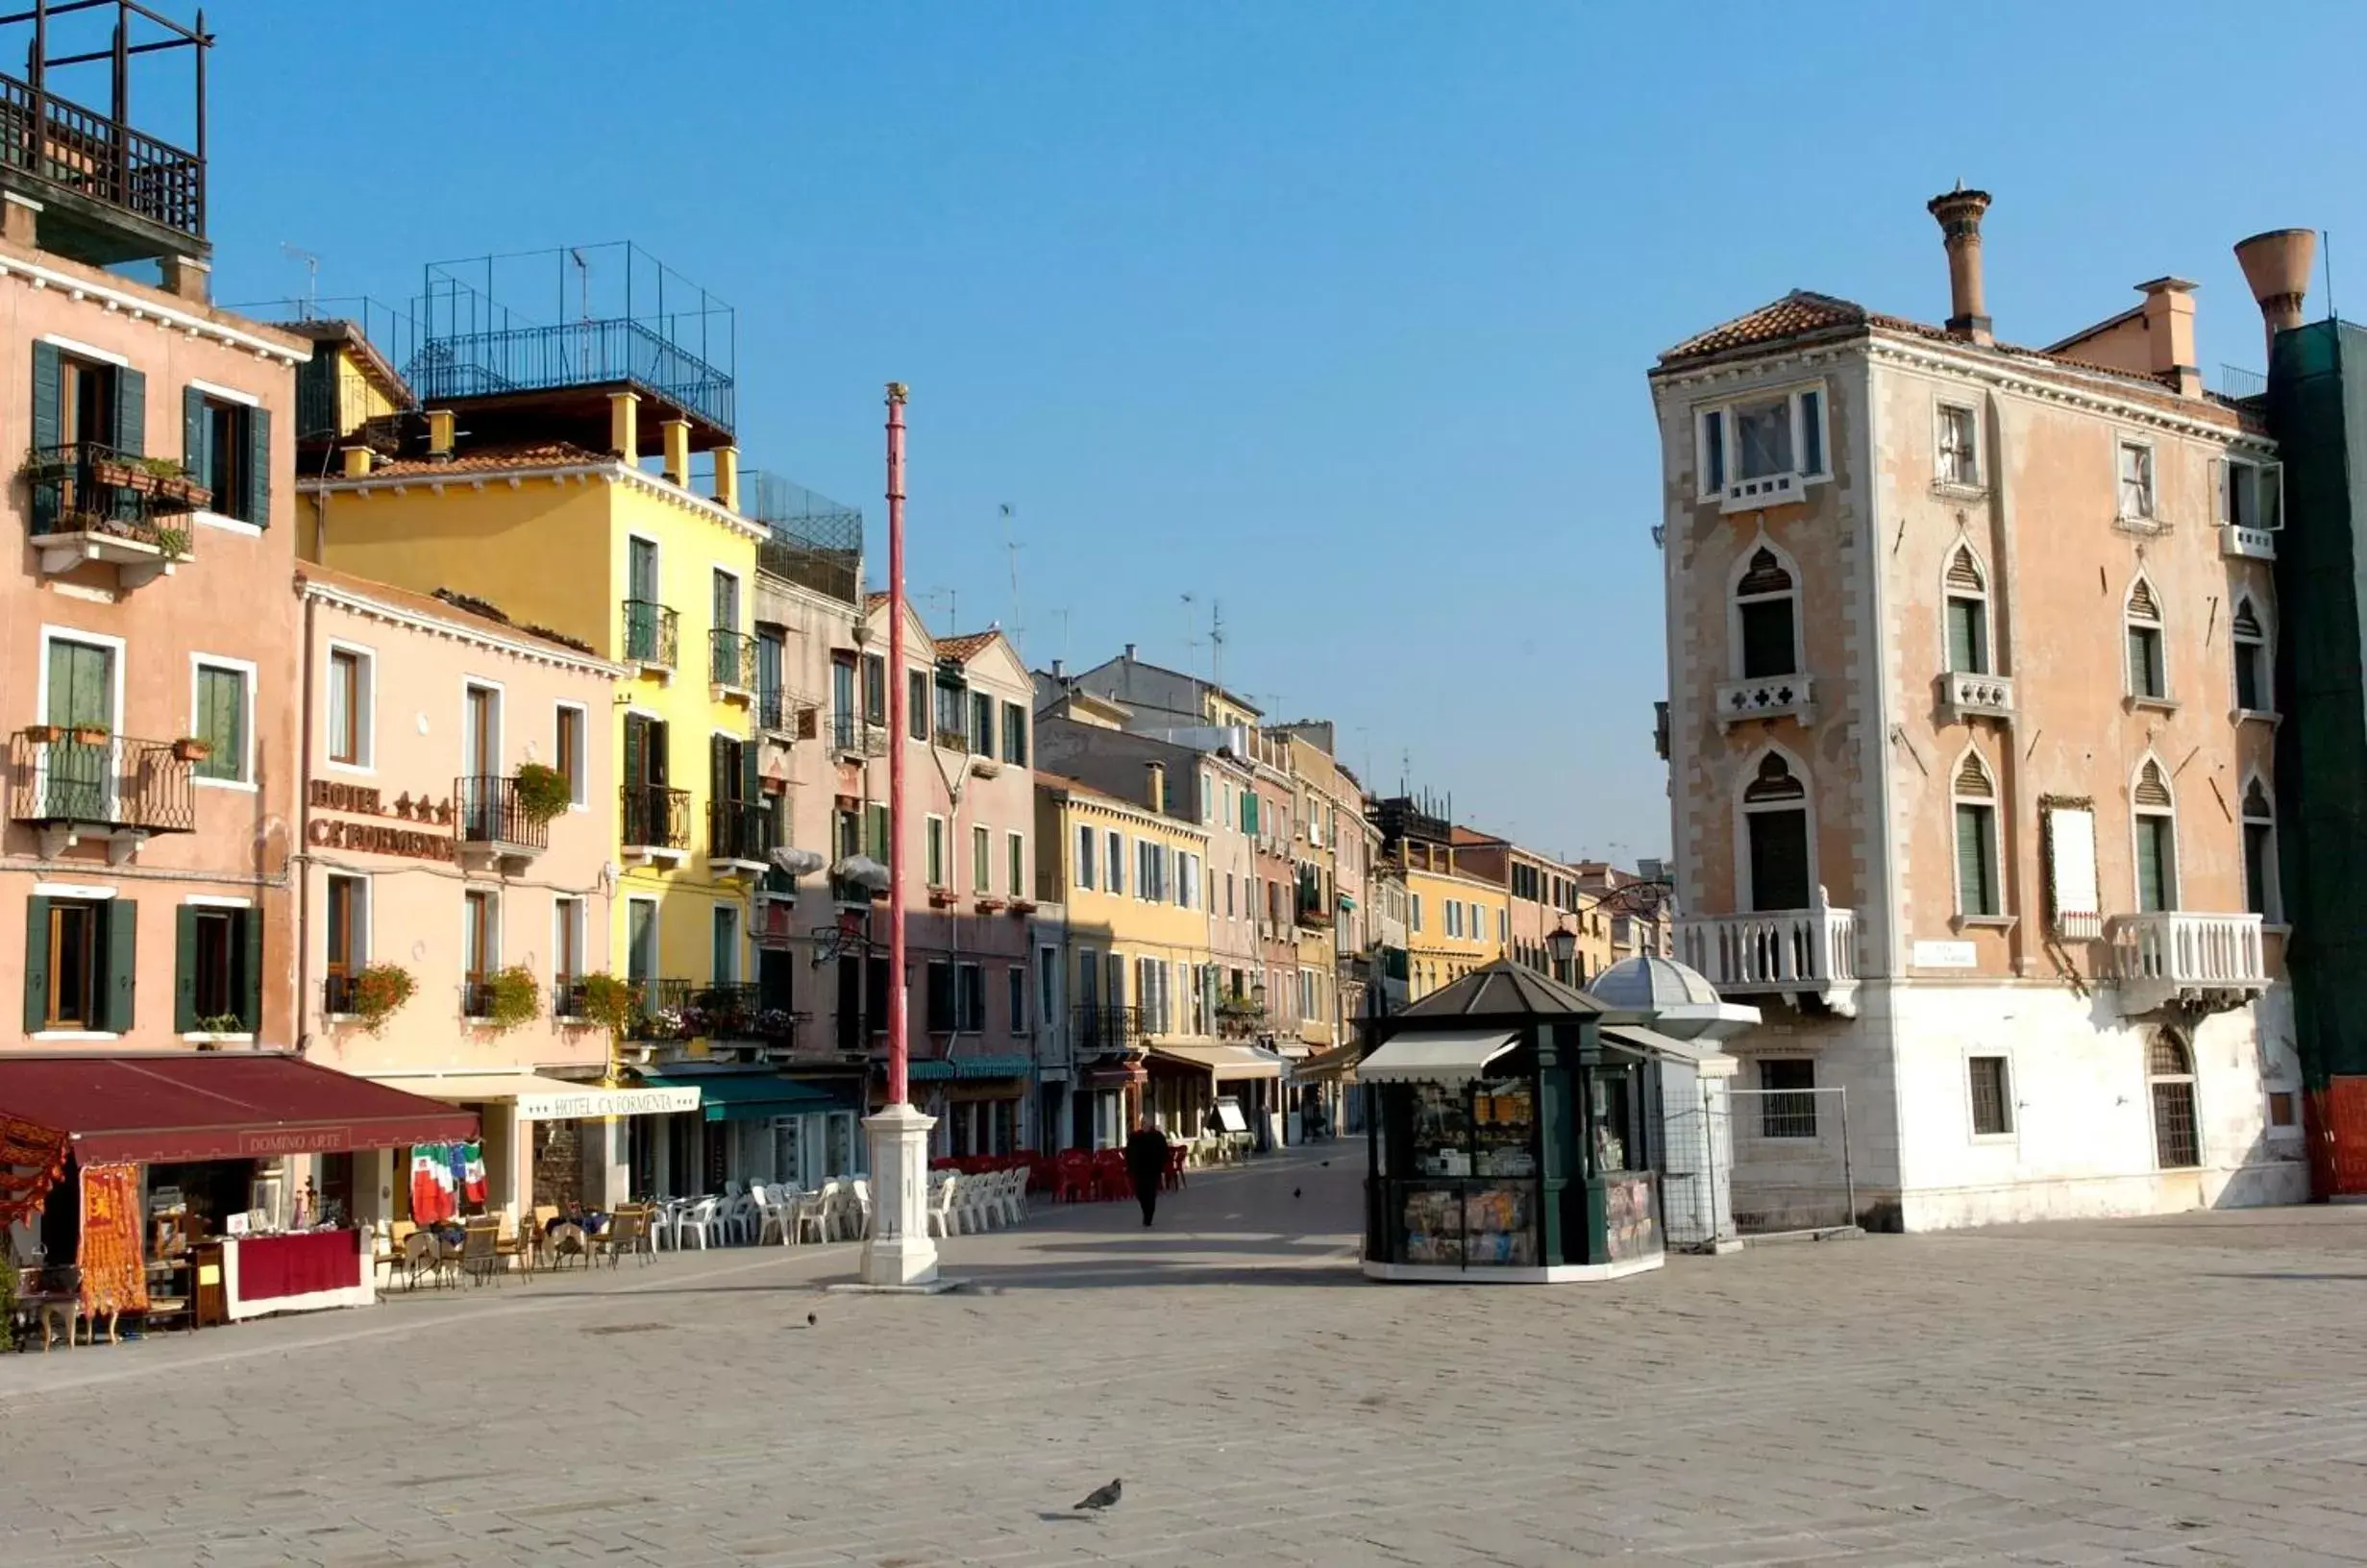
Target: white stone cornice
[(2067, 386), (606, 471), (536, 652), (165, 315)]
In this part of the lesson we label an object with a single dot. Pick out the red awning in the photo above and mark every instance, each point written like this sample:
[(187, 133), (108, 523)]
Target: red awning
[(216, 1105)]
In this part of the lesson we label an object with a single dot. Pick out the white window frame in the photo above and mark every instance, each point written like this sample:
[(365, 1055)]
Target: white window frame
[(365, 700), (1081, 870), (580, 783), (982, 865), (1973, 482), (2166, 696), (245, 670), (1114, 862), (2273, 914), (569, 916), (1949, 593), (2256, 475), (490, 766), (2013, 1130), (116, 649), (1736, 598), (2150, 516), (493, 956), (1957, 801), (2171, 889), (2238, 642), (366, 908), (657, 955), (1743, 810), (720, 910), (1733, 493)]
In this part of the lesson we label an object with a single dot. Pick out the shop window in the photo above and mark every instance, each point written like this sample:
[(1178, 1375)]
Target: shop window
[(1992, 1106), (1787, 1098)]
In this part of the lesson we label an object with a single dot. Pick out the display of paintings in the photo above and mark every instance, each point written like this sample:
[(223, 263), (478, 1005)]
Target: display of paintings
[(1631, 1218)]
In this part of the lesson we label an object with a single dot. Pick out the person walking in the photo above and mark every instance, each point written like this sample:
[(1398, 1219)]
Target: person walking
[(1147, 1165)]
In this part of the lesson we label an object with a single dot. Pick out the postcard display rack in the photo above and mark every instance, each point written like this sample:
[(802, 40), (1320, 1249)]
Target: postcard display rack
[(1473, 1200)]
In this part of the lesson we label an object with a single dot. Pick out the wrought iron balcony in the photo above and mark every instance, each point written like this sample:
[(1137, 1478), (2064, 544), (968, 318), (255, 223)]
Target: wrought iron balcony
[(92, 502), (1789, 952), (102, 159), (572, 353), (783, 713), (341, 995), (486, 816), (723, 1011), (1965, 695), (1105, 1028), (76, 784), (731, 663), (653, 634), (476, 997), (567, 996), (739, 834), (656, 818), (2212, 962), (1769, 697), (662, 1012), (851, 736)]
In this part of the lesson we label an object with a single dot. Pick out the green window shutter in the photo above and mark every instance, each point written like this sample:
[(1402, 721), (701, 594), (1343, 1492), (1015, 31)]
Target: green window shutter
[(2150, 887), (637, 748), (131, 411), (723, 773), (1965, 653), (184, 969), (876, 834), (45, 394), (258, 468), (196, 453), (36, 955), (752, 776), (250, 972), (1972, 861), (116, 1001)]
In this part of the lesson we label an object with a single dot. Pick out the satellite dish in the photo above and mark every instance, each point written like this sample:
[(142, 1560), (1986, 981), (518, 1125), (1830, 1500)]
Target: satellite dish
[(795, 862)]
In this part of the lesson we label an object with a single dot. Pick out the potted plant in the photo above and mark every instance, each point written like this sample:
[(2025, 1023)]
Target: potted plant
[(222, 1023), (89, 734), (543, 792), (124, 473), (172, 485), (44, 734), (190, 749), (378, 991), (173, 543), (512, 998), (44, 464)]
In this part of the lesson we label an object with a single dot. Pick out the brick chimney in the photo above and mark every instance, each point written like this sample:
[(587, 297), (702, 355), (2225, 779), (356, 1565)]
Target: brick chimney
[(1958, 212), (2276, 265), (2169, 333)]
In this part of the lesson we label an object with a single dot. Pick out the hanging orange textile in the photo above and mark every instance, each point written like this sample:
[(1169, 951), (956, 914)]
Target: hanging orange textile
[(31, 1159), (114, 1267)]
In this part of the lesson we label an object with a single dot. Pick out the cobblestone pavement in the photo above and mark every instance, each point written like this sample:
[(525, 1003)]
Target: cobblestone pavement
[(2182, 1391)]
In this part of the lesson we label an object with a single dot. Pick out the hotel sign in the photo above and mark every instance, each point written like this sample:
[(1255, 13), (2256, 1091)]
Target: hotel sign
[(375, 838), (607, 1102)]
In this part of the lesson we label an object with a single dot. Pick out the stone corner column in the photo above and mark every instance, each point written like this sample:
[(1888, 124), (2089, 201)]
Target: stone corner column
[(898, 1251)]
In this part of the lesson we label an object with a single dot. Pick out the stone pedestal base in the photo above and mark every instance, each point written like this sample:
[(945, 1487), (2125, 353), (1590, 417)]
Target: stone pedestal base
[(898, 1254)]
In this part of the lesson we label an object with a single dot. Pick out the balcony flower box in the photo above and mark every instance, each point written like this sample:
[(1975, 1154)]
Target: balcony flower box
[(988, 904), (1022, 906), (942, 897), (176, 490), (44, 734), (123, 472), (89, 735), (189, 748)]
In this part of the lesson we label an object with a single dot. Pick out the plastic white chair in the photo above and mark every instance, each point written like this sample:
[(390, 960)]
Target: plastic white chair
[(701, 1221), (1014, 1196), (811, 1214), (942, 1196), (740, 1218), (859, 1206), (778, 1208)]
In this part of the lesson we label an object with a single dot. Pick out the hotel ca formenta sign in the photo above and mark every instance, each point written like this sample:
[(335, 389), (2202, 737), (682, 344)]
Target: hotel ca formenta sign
[(431, 840)]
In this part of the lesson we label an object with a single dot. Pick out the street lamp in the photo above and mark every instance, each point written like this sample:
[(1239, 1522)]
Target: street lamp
[(1562, 944)]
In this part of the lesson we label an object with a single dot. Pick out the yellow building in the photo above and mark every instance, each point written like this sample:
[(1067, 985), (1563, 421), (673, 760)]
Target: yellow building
[(1455, 920), (545, 510), (1142, 980)]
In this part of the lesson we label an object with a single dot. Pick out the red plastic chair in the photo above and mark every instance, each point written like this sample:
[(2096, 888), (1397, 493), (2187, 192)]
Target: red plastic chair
[(1174, 1176), (1072, 1177), (1110, 1181)]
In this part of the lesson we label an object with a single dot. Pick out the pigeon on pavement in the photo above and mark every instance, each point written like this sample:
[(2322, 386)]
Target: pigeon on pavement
[(811, 1320), (1102, 1497), (1295, 1192)]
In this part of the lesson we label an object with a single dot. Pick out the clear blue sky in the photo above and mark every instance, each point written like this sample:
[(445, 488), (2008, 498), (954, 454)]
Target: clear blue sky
[(1336, 315)]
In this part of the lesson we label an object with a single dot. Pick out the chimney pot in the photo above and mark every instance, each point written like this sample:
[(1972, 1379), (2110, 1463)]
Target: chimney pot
[(2276, 265), (2169, 333), (1958, 212), (1129, 652), (440, 435), (1056, 669)]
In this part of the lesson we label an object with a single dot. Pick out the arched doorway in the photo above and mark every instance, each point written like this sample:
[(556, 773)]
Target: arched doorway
[(2169, 1082)]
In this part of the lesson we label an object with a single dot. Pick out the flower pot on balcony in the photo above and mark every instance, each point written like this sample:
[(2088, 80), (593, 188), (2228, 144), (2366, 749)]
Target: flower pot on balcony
[(189, 748), (89, 735), (122, 473), (42, 734), (942, 897)]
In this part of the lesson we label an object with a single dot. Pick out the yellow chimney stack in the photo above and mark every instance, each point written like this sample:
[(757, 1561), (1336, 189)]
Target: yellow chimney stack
[(625, 425)]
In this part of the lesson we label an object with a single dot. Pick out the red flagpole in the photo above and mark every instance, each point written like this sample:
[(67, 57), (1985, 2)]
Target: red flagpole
[(898, 1053)]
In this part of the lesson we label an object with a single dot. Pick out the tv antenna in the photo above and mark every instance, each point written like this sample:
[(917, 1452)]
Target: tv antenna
[(584, 282), (312, 276), (1192, 644), (1010, 544), (1216, 644)]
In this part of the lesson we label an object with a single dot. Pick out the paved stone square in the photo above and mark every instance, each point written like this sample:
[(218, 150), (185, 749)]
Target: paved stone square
[(2180, 1391)]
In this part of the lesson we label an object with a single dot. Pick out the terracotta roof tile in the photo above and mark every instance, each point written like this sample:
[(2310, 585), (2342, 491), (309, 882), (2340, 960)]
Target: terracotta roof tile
[(498, 461), (966, 647)]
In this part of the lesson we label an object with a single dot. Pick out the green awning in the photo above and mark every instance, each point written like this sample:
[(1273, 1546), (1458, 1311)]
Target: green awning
[(934, 1070), (749, 1096)]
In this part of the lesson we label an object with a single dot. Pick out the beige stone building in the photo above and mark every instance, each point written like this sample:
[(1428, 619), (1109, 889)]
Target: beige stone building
[(1970, 729)]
